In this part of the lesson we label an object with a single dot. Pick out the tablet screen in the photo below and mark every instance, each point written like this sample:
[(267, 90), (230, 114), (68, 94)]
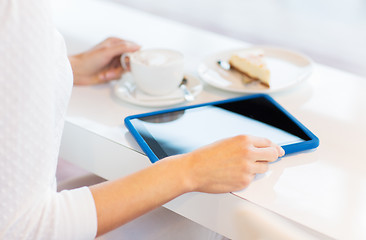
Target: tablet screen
[(181, 131)]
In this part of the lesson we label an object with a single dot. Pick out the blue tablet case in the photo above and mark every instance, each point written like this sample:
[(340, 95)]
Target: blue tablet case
[(312, 142)]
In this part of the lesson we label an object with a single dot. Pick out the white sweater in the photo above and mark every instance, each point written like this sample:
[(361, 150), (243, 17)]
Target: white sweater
[(35, 86)]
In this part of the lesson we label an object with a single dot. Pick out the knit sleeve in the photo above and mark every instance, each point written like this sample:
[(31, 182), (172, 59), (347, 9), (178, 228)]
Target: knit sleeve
[(35, 86)]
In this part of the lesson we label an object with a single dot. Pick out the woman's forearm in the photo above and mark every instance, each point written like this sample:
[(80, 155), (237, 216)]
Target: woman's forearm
[(120, 201)]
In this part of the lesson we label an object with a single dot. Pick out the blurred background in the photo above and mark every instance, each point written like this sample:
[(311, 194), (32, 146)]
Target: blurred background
[(332, 32)]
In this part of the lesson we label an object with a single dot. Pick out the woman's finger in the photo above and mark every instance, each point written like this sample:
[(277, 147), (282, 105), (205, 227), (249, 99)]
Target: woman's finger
[(120, 48), (260, 142), (266, 154), (110, 74)]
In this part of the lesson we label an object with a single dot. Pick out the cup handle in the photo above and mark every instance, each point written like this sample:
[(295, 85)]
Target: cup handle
[(123, 61)]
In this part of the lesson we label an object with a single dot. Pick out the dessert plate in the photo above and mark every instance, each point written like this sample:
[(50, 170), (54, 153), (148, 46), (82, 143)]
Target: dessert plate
[(287, 68), (126, 90)]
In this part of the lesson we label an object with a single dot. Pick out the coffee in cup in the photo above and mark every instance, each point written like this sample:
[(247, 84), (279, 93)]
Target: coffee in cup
[(155, 71)]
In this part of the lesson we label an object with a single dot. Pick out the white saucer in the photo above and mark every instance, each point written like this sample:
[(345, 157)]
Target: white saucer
[(126, 90), (287, 68)]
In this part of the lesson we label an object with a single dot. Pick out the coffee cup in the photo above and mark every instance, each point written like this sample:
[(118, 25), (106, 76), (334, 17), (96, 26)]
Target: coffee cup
[(155, 71)]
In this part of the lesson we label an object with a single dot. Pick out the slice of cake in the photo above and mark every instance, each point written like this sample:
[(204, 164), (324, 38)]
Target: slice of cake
[(252, 64)]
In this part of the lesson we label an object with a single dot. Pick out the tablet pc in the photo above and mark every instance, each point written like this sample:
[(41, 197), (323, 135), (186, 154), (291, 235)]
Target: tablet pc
[(184, 129)]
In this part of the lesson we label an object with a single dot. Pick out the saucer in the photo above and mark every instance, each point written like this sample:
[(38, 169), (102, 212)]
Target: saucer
[(126, 90)]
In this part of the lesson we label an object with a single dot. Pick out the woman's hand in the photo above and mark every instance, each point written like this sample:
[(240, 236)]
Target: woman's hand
[(101, 63), (229, 165)]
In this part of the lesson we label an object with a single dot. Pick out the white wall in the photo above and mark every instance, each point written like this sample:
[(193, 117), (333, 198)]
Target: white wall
[(332, 32)]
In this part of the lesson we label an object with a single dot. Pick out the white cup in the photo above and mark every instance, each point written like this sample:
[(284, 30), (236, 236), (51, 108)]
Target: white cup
[(155, 71)]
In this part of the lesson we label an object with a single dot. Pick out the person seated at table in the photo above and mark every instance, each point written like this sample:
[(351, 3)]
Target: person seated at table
[(36, 82)]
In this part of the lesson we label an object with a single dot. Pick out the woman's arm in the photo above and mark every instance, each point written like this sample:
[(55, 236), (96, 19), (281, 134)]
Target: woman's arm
[(225, 166)]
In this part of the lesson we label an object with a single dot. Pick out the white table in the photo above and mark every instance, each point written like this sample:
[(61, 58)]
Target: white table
[(319, 193)]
